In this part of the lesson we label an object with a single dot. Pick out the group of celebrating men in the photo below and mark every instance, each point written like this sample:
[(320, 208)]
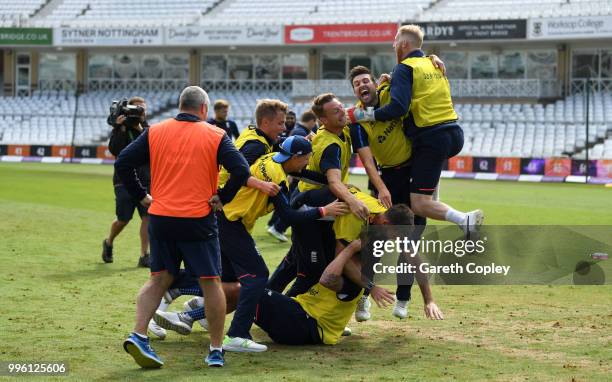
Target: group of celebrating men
[(403, 128)]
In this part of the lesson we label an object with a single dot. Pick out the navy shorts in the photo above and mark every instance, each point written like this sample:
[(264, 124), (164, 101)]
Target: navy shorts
[(430, 149), (285, 321), (125, 205), (202, 258), (397, 180)]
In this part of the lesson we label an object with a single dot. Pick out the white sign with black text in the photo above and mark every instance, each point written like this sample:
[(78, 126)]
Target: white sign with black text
[(570, 27), (201, 35)]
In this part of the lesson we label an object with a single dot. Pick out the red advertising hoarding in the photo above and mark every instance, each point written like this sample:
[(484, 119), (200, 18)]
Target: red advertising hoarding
[(508, 166), (103, 153), (558, 167), (340, 34), (604, 168), (460, 164)]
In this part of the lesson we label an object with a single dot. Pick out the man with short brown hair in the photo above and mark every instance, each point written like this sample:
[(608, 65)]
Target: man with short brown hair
[(221, 109)]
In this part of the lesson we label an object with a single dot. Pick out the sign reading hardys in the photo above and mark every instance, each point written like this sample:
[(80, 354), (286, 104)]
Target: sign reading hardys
[(570, 27), (201, 35), (108, 36), (26, 36), (475, 30), (340, 34)]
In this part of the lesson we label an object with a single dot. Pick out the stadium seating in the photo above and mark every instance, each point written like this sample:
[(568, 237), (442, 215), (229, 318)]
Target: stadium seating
[(453, 10), (277, 12), (48, 118), (494, 129), (136, 13)]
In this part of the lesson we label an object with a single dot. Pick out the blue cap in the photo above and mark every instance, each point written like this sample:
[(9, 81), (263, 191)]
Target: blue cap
[(294, 145)]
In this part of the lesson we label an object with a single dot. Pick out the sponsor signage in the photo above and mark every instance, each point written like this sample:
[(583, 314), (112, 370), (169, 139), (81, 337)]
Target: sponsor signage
[(85, 151), (558, 167), (483, 164), (340, 34), (508, 166), (460, 164), (201, 35), (570, 27), (532, 166), (26, 36), (475, 30), (19, 150), (128, 36), (40, 151), (3, 149)]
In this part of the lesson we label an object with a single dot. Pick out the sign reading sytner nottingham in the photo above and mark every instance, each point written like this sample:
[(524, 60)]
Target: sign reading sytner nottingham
[(108, 36), (475, 30)]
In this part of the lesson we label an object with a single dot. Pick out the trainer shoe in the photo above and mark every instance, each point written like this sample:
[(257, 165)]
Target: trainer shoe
[(347, 332), (107, 252), (157, 330), (363, 309), (215, 359), (176, 321), (401, 309), (193, 304), (171, 295), (143, 353), (279, 235), (472, 223), (144, 261), (242, 345)]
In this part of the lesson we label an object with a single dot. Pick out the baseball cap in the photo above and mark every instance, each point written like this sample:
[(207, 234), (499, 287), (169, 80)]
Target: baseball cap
[(294, 145)]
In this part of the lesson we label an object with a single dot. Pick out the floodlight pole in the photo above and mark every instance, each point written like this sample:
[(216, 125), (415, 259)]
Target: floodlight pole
[(74, 125), (588, 104)]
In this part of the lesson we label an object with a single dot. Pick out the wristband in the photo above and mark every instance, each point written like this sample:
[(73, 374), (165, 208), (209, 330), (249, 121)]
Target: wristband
[(322, 211), (369, 287)]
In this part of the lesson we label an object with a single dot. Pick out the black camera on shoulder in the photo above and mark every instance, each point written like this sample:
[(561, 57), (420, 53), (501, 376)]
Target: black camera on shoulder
[(133, 113)]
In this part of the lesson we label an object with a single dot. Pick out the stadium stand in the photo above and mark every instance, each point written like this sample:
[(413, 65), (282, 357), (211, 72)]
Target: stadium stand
[(48, 117), (447, 10), (92, 13), (275, 12)]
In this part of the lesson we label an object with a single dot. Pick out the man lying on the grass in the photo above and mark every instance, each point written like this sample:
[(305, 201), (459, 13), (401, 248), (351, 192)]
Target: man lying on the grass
[(318, 316)]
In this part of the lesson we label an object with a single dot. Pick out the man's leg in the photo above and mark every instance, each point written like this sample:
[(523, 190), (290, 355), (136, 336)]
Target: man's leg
[(215, 308), (251, 271), (430, 151), (285, 321), (148, 299), (284, 273), (124, 210)]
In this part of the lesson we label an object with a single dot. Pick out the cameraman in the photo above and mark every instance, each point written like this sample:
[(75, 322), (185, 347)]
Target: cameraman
[(128, 118)]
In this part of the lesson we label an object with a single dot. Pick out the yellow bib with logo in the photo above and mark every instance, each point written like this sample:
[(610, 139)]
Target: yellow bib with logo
[(331, 313), (390, 146), (322, 139), (247, 135), (348, 227), (250, 204), (431, 96)]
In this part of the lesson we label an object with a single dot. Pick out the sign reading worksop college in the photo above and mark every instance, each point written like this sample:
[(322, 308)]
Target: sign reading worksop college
[(475, 30), (571, 27)]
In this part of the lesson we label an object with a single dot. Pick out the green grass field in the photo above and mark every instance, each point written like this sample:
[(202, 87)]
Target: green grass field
[(63, 304)]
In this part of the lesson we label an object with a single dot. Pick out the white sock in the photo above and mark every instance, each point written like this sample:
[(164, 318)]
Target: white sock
[(401, 303), (141, 336), (455, 216), (214, 348), (163, 305)]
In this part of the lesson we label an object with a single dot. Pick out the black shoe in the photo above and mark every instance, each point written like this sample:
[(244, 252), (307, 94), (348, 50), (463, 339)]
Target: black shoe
[(145, 261), (107, 252)]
